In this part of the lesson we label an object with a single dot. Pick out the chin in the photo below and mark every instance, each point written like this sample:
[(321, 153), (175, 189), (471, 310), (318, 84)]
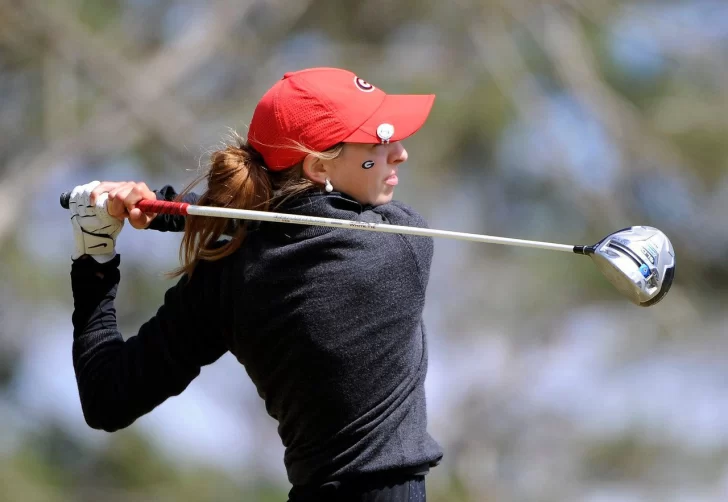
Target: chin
[(385, 198)]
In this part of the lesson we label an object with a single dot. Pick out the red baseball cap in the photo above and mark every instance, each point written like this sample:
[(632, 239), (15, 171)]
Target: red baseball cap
[(321, 107)]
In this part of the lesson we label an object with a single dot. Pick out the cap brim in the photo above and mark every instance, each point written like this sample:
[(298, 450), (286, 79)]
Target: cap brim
[(407, 113)]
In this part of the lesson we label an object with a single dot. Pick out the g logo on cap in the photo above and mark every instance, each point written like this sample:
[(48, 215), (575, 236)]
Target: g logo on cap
[(363, 85)]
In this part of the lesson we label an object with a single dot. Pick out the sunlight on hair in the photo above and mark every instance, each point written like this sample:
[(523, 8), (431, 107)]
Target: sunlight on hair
[(236, 177)]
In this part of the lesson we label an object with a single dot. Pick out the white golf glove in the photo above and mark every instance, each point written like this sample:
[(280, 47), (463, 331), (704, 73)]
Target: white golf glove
[(93, 229)]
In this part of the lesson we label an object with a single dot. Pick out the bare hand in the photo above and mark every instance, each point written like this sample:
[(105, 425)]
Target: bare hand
[(123, 198)]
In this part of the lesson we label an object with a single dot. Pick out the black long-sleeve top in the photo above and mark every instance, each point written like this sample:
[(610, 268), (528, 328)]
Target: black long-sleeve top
[(326, 322)]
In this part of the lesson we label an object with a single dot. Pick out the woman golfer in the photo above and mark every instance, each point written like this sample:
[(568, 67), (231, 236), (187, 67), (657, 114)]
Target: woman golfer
[(327, 322)]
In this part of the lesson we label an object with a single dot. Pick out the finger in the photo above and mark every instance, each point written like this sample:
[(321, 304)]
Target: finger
[(138, 192), (116, 206), (101, 203), (144, 191), (82, 199), (104, 186), (73, 200), (86, 192), (75, 193), (139, 219), (120, 190), (132, 196)]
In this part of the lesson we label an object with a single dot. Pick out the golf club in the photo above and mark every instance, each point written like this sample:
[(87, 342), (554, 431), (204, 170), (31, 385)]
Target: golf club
[(639, 261)]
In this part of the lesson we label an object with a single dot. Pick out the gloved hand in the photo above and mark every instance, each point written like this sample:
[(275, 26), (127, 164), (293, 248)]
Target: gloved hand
[(94, 230)]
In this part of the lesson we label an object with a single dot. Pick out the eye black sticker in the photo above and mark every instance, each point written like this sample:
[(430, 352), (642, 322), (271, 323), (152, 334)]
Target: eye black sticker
[(368, 164)]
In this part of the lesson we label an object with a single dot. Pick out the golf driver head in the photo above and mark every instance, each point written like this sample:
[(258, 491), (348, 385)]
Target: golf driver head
[(638, 261)]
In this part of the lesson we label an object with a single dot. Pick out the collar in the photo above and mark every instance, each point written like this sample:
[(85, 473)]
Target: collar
[(336, 205), (323, 202)]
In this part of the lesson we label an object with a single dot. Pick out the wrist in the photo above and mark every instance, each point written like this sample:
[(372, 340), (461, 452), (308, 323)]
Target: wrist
[(98, 258), (104, 258)]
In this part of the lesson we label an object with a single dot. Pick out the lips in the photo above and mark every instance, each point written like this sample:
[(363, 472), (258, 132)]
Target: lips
[(392, 180)]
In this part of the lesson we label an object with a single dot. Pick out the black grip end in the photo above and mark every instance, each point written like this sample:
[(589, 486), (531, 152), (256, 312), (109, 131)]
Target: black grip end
[(65, 199)]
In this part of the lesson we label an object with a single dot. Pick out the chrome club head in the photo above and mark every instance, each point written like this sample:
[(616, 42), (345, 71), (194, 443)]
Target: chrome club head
[(638, 261)]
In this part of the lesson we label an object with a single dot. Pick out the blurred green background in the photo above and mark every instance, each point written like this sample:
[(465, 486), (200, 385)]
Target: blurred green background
[(557, 121)]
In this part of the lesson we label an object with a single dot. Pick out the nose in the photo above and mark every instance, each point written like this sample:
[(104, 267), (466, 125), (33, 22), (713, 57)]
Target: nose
[(397, 153)]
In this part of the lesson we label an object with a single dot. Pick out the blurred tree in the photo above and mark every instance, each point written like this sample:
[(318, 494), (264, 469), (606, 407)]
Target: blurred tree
[(554, 120)]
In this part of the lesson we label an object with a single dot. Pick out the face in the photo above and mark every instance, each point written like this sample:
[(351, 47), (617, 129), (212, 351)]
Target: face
[(367, 172)]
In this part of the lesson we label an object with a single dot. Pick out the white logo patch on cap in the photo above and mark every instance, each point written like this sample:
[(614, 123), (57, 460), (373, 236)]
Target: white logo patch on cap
[(363, 85), (385, 132)]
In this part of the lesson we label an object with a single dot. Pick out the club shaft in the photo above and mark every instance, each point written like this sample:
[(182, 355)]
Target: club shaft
[(247, 214), (180, 208)]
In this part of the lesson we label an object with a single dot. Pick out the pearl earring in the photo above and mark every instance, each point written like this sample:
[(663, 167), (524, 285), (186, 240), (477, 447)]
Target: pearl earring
[(329, 186)]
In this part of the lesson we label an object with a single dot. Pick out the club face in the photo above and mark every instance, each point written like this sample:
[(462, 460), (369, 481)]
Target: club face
[(639, 262)]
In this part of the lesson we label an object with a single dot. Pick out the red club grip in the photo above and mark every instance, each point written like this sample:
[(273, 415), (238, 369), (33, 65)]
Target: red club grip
[(147, 206), (162, 206)]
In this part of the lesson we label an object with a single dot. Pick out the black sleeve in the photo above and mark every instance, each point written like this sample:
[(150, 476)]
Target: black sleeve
[(119, 381), (171, 222)]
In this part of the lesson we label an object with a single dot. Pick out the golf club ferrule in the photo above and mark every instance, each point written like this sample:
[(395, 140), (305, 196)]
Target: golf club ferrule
[(586, 250)]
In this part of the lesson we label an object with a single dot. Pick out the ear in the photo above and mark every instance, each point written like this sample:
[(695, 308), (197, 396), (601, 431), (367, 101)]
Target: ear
[(315, 169)]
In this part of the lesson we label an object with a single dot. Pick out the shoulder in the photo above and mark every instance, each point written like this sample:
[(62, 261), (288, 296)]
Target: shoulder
[(418, 247), (399, 213)]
